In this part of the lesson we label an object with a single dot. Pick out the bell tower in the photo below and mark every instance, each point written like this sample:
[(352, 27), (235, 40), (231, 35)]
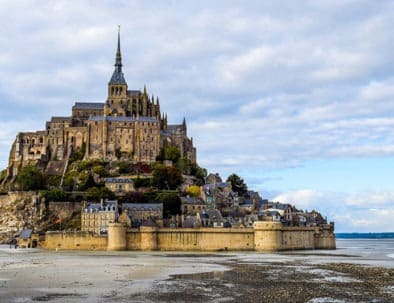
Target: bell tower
[(116, 104)]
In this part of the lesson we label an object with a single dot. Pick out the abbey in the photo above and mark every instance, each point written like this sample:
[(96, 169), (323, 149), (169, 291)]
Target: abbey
[(127, 126)]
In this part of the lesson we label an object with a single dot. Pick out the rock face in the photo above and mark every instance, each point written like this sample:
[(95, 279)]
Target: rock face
[(19, 210)]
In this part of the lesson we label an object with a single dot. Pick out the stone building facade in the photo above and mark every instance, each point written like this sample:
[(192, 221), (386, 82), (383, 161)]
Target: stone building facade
[(129, 125), (95, 217)]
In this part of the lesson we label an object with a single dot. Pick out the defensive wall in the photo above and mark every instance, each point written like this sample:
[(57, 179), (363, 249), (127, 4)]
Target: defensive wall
[(78, 240), (264, 236)]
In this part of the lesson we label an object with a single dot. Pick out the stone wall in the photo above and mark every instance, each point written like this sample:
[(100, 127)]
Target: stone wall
[(75, 240), (265, 236)]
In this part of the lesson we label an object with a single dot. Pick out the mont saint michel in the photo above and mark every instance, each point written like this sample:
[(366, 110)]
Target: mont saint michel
[(202, 151), (117, 176)]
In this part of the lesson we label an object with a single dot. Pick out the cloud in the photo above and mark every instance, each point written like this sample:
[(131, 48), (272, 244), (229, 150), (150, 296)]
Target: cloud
[(360, 212), (263, 85)]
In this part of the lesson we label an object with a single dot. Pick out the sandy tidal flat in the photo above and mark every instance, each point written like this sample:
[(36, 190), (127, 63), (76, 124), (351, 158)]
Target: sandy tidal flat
[(314, 276)]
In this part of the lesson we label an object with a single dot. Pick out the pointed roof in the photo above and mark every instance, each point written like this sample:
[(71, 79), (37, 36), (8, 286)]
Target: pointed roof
[(117, 76)]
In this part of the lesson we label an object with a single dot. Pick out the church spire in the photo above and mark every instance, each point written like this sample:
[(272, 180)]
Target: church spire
[(117, 76), (118, 60)]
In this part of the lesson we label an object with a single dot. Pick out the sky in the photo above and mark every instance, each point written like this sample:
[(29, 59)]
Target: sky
[(296, 97)]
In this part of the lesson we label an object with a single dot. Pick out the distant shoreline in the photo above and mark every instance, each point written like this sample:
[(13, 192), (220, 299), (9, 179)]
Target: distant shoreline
[(388, 235)]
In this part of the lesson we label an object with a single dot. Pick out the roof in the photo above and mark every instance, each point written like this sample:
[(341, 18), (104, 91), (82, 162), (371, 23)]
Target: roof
[(212, 213), (97, 206), (189, 222), (144, 206), (174, 128), (133, 92), (280, 206), (192, 200), (88, 105), (246, 203), (26, 234), (270, 213), (60, 119), (117, 78), (118, 180), (123, 119)]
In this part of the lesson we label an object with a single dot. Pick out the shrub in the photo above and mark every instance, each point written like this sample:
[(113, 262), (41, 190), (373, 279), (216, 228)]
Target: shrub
[(55, 195), (30, 178)]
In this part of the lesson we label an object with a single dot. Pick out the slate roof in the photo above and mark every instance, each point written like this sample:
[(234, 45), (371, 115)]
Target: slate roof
[(246, 203), (117, 78), (95, 207), (133, 92), (26, 234), (123, 119), (60, 119), (144, 206), (118, 180), (88, 105), (192, 200), (173, 128)]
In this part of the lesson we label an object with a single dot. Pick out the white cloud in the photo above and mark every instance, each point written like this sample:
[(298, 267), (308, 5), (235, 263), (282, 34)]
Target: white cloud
[(360, 212), (263, 85)]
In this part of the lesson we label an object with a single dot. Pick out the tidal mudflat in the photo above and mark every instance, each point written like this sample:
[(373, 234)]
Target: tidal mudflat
[(355, 272)]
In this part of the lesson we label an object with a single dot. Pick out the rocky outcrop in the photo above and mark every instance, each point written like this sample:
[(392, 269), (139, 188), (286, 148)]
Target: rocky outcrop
[(19, 210)]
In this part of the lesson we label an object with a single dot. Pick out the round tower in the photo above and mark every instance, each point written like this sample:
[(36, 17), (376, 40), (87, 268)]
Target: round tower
[(116, 237), (267, 236)]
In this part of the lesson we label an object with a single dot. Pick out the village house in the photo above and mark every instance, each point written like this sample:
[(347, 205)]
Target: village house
[(192, 205), (138, 214), (119, 185), (285, 211), (96, 216), (28, 239)]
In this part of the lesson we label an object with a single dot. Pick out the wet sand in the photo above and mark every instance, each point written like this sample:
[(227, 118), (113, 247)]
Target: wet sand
[(316, 276)]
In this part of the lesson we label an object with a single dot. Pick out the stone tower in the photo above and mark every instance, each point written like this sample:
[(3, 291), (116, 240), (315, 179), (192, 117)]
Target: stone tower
[(116, 104)]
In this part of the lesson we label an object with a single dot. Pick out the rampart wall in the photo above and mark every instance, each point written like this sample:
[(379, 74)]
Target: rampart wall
[(265, 236), (75, 240)]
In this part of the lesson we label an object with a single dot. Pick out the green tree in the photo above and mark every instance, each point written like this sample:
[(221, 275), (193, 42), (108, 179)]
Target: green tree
[(55, 195), (134, 197), (125, 167), (169, 153), (92, 194), (86, 182), (118, 153), (171, 204), (184, 165), (238, 184), (101, 171), (141, 182), (78, 154), (30, 178), (166, 177), (106, 193), (199, 172), (98, 193)]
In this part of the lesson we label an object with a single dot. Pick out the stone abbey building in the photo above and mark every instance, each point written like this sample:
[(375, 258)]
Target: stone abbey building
[(128, 125)]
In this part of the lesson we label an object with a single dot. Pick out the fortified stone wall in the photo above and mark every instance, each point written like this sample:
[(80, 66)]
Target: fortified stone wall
[(75, 240), (265, 236), (205, 239)]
